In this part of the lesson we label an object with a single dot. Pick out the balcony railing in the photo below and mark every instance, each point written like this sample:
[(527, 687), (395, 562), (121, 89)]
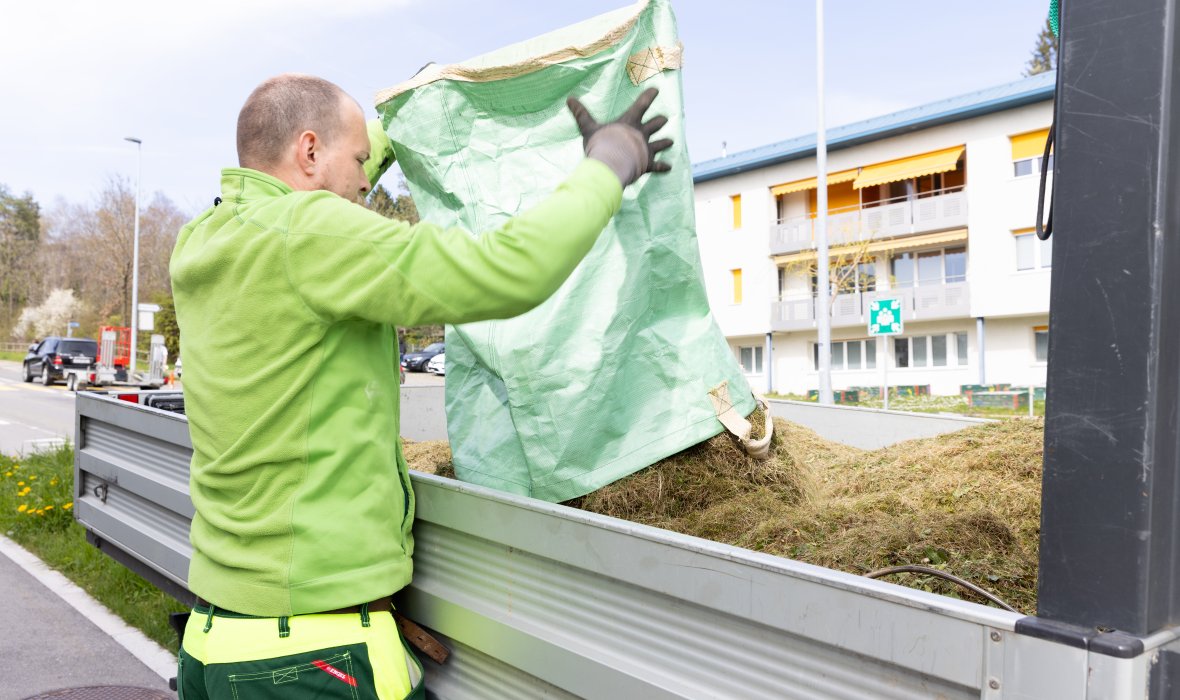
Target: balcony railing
[(924, 303), (944, 210)]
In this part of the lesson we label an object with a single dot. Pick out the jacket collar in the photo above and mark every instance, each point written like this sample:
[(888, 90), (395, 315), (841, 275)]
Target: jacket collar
[(244, 184)]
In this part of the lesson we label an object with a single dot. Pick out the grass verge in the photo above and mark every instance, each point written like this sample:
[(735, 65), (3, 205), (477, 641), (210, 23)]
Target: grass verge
[(13, 356), (934, 404), (36, 497)]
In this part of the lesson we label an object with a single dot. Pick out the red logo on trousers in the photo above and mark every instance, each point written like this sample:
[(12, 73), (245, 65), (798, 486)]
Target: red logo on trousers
[(335, 672)]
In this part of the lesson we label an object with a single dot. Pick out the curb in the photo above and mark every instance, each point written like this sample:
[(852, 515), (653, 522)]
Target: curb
[(161, 661)]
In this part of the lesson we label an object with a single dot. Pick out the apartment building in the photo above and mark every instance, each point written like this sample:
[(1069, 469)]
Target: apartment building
[(935, 206)]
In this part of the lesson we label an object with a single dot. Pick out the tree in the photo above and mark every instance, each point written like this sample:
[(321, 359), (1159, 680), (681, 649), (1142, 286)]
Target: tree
[(20, 238), (90, 250), (402, 208), (49, 318), (167, 326), (1044, 55), (851, 268)]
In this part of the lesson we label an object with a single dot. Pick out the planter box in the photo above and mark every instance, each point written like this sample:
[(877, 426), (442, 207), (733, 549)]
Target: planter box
[(1000, 399)]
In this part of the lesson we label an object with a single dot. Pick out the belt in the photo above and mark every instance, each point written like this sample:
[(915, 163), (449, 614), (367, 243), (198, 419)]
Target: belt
[(382, 604), (414, 634)]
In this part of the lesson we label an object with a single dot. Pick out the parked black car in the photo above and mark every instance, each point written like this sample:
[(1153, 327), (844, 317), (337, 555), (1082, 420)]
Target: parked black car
[(416, 361), (51, 359)]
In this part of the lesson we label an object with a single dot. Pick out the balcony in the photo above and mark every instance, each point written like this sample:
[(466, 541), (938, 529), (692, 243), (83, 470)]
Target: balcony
[(936, 212), (924, 303)]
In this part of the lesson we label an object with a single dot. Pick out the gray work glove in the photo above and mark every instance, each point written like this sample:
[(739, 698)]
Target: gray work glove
[(624, 145)]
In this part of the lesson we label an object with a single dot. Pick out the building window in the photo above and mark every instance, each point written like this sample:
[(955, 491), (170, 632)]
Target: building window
[(931, 350), (736, 201), (1041, 343), (737, 285), (1030, 166), (929, 268), (751, 359), (849, 354), (1027, 151), (1031, 252)]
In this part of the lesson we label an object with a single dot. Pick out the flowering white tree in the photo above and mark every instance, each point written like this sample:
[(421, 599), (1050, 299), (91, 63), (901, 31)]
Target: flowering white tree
[(51, 317)]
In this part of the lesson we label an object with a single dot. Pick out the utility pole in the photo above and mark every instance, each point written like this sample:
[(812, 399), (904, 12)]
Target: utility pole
[(135, 258), (823, 316)]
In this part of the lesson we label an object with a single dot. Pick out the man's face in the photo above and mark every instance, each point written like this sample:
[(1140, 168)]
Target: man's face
[(343, 156)]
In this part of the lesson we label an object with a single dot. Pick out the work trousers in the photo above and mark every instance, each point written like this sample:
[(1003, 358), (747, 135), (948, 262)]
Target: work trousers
[(359, 656)]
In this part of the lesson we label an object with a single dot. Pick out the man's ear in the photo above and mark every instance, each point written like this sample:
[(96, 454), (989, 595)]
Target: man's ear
[(307, 155)]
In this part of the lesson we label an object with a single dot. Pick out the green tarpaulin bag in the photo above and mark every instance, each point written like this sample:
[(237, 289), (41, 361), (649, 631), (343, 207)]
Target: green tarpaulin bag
[(614, 372)]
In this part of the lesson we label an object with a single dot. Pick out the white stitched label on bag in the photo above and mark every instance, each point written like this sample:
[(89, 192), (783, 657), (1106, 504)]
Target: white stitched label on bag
[(650, 62)]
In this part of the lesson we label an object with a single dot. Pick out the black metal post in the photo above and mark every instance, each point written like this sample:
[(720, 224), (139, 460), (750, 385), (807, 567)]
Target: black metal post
[(1110, 536)]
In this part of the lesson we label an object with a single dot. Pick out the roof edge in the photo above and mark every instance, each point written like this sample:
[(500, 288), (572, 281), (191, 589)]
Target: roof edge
[(856, 133)]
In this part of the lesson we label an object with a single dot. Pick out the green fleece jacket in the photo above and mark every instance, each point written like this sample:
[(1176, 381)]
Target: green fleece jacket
[(287, 303)]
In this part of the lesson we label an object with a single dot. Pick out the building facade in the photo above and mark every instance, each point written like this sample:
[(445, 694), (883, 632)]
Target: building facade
[(934, 206)]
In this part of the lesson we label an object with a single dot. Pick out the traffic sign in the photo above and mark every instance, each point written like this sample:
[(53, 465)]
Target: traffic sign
[(885, 317)]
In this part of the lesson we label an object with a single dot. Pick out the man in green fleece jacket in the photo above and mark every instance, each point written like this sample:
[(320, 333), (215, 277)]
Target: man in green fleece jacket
[(287, 295)]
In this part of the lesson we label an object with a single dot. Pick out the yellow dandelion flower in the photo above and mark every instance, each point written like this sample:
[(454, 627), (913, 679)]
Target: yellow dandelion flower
[(20, 483), (48, 507), (53, 482), (22, 508), (34, 476), (7, 473), (68, 506)]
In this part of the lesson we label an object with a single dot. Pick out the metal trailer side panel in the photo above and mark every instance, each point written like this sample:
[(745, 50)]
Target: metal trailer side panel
[(552, 597), (539, 600)]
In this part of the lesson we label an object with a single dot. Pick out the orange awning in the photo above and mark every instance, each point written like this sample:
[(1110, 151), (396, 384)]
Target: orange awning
[(906, 168), (891, 244), (1029, 145), (810, 183)]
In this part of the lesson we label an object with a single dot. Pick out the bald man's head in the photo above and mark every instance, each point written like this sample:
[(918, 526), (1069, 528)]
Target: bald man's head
[(279, 110)]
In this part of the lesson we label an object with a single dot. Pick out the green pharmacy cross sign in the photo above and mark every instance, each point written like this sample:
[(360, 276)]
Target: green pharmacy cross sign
[(885, 317)]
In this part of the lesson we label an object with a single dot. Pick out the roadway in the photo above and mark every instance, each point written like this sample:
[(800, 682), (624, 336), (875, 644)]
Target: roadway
[(34, 417)]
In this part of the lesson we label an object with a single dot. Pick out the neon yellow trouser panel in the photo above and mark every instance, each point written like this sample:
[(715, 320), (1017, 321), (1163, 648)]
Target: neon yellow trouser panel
[(240, 657)]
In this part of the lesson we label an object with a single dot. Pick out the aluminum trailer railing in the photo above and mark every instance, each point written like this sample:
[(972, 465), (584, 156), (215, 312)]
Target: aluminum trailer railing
[(541, 600)]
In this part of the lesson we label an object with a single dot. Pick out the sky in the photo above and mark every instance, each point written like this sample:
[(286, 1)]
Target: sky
[(77, 76)]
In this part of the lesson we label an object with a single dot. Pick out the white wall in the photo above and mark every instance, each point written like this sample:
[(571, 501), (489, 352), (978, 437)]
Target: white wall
[(724, 249), (1009, 344), (758, 380), (1011, 351), (795, 372), (998, 203)]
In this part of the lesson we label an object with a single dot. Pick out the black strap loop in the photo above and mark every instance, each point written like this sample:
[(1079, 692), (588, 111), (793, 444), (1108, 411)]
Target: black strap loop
[(1044, 230)]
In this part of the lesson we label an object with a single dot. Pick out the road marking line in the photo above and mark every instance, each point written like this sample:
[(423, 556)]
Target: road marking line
[(152, 655), (38, 444)]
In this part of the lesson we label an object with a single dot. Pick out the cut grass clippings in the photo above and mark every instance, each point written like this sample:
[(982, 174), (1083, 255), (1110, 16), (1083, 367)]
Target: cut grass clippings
[(967, 503), (36, 495)]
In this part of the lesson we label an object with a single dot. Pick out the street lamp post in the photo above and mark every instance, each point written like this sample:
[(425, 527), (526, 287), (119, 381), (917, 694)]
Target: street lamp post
[(823, 314), (135, 258)]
